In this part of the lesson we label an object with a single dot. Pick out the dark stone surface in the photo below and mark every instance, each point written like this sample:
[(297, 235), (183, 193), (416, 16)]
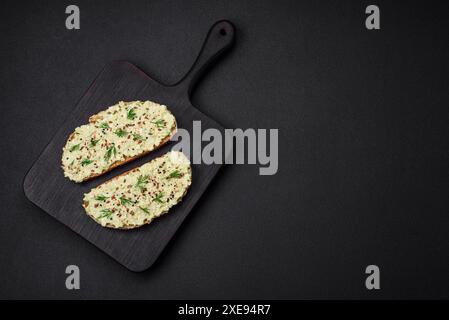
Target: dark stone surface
[(363, 173)]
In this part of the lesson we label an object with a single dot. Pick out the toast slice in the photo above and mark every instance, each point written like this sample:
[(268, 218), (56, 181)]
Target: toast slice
[(136, 197), (115, 136)]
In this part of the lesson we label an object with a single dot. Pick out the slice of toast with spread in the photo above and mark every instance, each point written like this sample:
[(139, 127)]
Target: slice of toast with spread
[(115, 136), (136, 197)]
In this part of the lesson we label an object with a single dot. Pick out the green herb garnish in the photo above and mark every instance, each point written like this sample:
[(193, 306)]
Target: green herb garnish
[(93, 142), (137, 136), (75, 147), (125, 201), (100, 198), (131, 114), (159, 123), (106, 213), (144, 210), (104, 125), (174, 174), (85, 162), (110, 152), (121, 133), (159, 198), (141, 182)]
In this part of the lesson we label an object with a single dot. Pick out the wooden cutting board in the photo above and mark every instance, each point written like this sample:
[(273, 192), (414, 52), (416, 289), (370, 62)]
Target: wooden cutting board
[(46, 186)]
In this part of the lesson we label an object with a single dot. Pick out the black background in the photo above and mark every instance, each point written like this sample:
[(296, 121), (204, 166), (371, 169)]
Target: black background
[(363, 165)]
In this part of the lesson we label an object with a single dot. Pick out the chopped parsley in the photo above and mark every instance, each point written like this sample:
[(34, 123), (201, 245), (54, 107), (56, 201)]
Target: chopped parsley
[(144, 210), (121, 133), (159, 198), (75, 147), (174, 174), (93, 142), (86, 162), (125, 201), (105, 213), (101, 198), (131, 114), (137, 137), (104, 125), (112, 151), (159, 123), (141, 182)]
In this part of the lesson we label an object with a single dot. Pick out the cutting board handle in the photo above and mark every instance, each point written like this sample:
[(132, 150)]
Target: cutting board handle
[(219, 39)]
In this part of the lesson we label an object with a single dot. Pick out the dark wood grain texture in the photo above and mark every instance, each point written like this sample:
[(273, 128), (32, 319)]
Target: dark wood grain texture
[(46, 186)]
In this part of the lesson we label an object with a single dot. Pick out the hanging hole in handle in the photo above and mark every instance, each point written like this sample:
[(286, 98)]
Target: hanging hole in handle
[(223, 32)]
